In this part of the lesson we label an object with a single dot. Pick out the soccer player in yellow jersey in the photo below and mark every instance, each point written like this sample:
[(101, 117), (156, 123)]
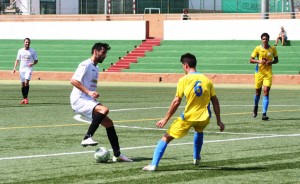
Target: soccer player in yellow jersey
[(198, 91), (264, 56)]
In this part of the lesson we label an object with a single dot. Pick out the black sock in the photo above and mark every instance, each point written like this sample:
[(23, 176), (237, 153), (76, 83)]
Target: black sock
[(23, 91), (113, 139), (97, 119)]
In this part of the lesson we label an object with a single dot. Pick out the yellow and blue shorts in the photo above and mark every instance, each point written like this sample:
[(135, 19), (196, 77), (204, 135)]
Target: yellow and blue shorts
[(180, 128), (263, 80)]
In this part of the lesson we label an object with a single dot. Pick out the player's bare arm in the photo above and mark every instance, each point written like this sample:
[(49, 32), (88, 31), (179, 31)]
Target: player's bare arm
[(173, 107), (78, 85), (254, 61), (15, 66), (217, 111)]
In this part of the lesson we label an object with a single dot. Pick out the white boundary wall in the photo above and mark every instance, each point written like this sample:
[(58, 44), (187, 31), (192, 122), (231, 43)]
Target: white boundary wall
[(229, 29), (91, 30)]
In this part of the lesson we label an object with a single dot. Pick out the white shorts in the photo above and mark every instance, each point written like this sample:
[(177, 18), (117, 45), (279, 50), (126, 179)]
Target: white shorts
[(84, 107), (25, 75)]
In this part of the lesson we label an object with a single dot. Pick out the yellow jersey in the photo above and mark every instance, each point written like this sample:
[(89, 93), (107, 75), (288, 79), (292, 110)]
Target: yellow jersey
[(260, 52), (198, 90)]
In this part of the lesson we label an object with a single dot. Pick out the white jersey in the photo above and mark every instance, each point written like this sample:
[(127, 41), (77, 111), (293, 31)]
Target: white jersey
[(87, 74), (26, 57)]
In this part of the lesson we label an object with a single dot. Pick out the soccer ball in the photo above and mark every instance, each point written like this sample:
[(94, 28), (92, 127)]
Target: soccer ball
[(102, 155)]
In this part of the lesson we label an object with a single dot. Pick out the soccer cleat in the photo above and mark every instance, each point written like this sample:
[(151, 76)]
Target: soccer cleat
[(24, 101), (255, 111), (196, 161), (88, 142), (265, 117), (149, 168), (121, 158)]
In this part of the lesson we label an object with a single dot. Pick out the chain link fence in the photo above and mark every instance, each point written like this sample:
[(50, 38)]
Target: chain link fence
[(139, 6)]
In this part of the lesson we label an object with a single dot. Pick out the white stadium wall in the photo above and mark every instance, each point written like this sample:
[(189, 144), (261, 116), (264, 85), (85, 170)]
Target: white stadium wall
[(229, 29), (90, 30), (136, 30)]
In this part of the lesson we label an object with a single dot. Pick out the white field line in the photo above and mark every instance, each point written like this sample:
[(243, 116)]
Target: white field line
[(152, 146), (130, 109), (164, 129)]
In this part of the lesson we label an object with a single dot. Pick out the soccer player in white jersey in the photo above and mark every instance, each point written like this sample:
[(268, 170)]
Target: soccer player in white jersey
[(83, 100), (28, 58)]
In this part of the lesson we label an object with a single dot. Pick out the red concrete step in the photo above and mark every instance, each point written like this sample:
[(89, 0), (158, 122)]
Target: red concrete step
[(146, 48), (125, 62), (121, 65), (136, 54), (151, 43), (138, 50), (129, 58), (132, 56)]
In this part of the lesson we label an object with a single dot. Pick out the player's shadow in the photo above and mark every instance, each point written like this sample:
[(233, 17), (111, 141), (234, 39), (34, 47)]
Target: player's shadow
[(141, 159), (286, 119), (186, 167), (232, 168)]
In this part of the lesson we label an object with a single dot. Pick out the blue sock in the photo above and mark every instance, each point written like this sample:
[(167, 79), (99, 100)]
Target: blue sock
[(265, 103), (158, 152), (198, 142), (256, 99)]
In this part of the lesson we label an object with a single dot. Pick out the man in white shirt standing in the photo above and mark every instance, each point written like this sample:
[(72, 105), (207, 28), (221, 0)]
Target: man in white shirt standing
[(28, 58), (83, 100)]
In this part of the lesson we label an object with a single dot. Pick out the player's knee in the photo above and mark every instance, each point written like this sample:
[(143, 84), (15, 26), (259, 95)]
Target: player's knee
[(102, 109), (167, 138)]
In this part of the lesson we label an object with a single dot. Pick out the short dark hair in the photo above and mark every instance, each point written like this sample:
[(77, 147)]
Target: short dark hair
[(266, 35), (99, 46), (189, 59), (27, 39)]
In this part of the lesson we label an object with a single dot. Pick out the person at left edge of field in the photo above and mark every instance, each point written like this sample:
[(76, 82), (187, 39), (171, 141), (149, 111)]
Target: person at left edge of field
[(28, 58), (83, 100), (264, 56)]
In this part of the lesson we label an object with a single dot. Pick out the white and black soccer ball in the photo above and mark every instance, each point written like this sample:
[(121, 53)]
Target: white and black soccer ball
[(102, 155)]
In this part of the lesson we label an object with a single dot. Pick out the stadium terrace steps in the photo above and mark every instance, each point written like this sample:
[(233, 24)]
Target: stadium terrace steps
[(152, 56), (132, 56), (219, 56)]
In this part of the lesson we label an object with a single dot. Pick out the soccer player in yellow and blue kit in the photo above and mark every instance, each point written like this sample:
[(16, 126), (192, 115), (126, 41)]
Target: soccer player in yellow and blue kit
[(198, 91), (264, 56)]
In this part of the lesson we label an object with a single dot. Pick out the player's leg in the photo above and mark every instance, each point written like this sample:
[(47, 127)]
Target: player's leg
[(198, 140), (265, 103), (25, 78), (26, 90), (99, 113), (178, 129), (159, 152), (258, 87), (95, 112), (114, 141), (267, 83), (22, 79)]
